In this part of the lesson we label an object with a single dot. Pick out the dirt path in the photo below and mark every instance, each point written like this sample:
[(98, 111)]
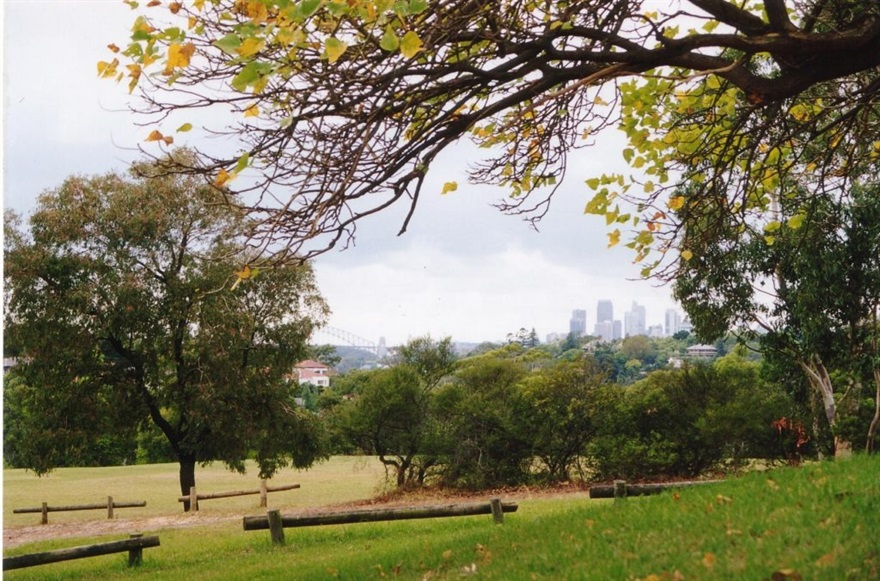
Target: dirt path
[(20, 535), (15, 536)]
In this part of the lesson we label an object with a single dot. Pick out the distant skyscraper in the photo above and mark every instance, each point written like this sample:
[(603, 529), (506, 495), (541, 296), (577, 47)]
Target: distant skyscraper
[(634, 320), (617, 330), (605, 330), (604, 311), (578, 322), (673, 322)]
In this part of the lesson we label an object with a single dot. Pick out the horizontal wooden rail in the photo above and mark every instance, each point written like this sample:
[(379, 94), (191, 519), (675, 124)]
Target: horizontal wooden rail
[(276, 523), (133, 545), (80, 507), (110, 505), (193, 497), (621, 489)]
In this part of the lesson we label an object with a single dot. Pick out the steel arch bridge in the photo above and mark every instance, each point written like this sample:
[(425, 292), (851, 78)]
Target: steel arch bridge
[(343, 338)]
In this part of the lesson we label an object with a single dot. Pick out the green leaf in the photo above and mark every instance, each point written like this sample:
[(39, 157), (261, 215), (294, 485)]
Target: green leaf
[(417, 6), (389, 41), (184, 128), (248, 75), (229, 44), (308, 7), (796, 222), (242, 164)]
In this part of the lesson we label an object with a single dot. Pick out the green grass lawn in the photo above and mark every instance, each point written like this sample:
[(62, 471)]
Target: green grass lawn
[(340, 479), (820, 521)]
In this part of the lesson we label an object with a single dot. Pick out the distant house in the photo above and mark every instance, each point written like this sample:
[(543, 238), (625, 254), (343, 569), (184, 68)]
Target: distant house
[(312, 372), (702, 351)]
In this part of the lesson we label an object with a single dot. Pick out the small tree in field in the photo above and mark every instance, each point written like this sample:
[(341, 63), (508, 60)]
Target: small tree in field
[(127, 301)]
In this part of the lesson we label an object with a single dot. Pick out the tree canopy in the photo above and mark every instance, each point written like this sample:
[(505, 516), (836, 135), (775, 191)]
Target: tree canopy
[(124, 306), (340, 108)]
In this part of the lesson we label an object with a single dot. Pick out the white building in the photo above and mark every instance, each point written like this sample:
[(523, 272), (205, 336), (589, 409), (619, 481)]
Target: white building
[(312, 372)]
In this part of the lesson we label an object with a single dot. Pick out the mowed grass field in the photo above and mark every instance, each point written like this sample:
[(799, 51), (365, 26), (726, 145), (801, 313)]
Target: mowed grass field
[(338, 480), (819, 521)]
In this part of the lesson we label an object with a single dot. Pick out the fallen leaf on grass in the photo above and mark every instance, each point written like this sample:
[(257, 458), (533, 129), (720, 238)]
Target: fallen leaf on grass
[(709, 560), (772, 484), (826, 559), (447, 554), (786, 575), (721, 499)]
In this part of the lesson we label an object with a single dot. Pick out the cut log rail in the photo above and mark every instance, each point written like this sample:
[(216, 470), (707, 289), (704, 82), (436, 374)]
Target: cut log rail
[(276, 523), (110, 505), (193, 497), (134, 545), (621, 489)]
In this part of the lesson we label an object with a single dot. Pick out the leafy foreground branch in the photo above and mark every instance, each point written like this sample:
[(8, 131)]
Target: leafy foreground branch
[(340, 109)]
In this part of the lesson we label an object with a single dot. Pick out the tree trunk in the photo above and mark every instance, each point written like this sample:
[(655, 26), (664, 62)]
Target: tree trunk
[(872, 429), (820, 380), (187, 478)]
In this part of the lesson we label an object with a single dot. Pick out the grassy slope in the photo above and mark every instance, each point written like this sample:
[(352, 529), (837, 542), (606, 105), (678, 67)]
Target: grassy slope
[(817, 522)]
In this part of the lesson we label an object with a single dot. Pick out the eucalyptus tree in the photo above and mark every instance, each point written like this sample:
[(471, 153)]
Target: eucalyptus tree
[(129, 299)]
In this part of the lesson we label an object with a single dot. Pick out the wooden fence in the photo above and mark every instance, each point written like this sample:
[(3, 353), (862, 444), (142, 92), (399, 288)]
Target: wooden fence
[(620, 489), (134, 545), (263, 491), (277, 523), (45, 509)]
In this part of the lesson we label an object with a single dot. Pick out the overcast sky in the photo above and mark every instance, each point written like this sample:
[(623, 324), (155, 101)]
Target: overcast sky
[(462, 270)]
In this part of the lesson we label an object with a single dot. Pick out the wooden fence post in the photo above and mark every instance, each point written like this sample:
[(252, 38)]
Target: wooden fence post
[(109, 507), (45, 511), (264, 494), (193, 499), (276, 528), (619, 489), (497, 511), (136, 555)]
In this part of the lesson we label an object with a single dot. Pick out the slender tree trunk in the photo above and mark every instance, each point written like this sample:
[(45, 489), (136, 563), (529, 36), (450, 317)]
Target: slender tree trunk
[(872, 429), (187, 478), (820, 380)]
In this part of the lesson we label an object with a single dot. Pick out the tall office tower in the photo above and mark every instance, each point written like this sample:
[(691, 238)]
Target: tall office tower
[(605, 330), (634, 320), (673, 322), (604, 311), (617, 330), (578, 322)]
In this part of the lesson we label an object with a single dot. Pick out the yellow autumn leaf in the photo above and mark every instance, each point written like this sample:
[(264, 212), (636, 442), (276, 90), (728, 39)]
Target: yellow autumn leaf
[(687, 254), (410, 44), (449, 187), (107, 70), (334, 48), (613, 238), (676, 203), (223, 177), (250, 46), (134, 71), (252, 111), (155, 135), (179, 55), (184, 128)]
